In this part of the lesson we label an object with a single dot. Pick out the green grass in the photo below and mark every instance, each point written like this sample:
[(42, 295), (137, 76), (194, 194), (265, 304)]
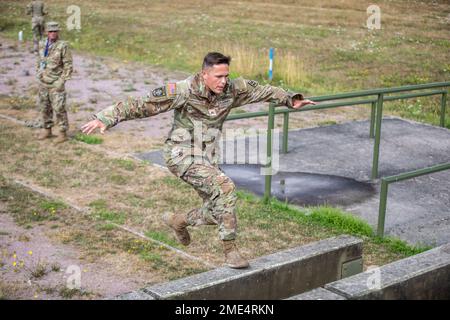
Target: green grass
[(101, 212), (333, 220), (112, 216), (162, 237), (89, 139), (50, 205), (126, 164)]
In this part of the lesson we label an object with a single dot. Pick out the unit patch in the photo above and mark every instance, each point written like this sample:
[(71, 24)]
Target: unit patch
[(159, 92)]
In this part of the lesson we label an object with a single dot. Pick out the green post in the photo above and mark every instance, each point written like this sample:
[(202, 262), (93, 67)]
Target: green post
[(376, 147), (443, 105), (372, 120), (285, 131), (268, 179), (382, 207)]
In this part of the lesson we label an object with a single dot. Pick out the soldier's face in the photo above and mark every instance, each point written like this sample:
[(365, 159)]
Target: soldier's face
[(216, 77), (53, 35)]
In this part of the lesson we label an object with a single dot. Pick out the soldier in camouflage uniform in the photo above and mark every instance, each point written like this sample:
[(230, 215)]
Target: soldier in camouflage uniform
[(200, 103), (54, 67), (37, 11)]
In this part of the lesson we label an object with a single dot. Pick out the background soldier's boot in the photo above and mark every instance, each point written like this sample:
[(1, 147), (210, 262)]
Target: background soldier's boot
[(178, 223), (45, 134), (62, 137), (233, 258)]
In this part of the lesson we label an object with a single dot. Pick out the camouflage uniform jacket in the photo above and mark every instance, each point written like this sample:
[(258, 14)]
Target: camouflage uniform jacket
[(56, 68), (36, 9), (199, 114)]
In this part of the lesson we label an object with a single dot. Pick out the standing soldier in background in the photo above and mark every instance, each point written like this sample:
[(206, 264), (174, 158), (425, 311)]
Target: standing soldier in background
[(201, 104), (37, 11), (54, 68)]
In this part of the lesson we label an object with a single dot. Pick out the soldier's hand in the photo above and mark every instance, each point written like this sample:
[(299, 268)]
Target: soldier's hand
[(297, 104), (92, 125)]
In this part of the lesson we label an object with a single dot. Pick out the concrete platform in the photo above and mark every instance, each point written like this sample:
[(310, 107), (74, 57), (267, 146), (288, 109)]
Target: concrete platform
[(332, 165)]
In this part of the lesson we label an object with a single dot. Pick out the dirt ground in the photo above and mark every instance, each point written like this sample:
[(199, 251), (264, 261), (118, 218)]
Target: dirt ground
[(32, 249)]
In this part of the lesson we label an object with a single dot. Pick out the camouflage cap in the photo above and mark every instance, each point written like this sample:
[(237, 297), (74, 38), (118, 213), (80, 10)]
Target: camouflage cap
[(53, 26)]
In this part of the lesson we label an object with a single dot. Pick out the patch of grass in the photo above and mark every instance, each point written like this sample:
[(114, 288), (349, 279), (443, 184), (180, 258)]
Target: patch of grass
[(67, 293), (98, 204), (112, 216), (163, 237), (126, 164), (106, 227), (38, 270), (326, 123), (331, 220), (55, 267), (399, 246), (52, 206), (155, 258), (8, 291), (340, 221), (118, 179), (89, 139)]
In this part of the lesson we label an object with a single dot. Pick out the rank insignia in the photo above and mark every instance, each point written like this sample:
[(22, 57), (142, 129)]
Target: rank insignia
[(253, 83), (212, 112), (159, 92)]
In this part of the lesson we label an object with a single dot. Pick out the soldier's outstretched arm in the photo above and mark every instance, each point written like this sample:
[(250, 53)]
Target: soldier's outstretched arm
[(249, 91), (160, 100)]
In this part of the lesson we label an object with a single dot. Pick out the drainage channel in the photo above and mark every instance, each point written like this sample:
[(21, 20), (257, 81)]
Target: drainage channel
[(425, 276)]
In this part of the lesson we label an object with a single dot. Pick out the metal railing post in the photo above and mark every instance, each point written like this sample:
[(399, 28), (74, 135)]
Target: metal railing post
[(268, 177), (376, 147), (382, 208), (443, 106), (401, 177), (285, 131), (372, 120)]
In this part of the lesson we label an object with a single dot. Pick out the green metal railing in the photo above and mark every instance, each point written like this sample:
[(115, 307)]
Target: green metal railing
[(400, 177), (376, 114)]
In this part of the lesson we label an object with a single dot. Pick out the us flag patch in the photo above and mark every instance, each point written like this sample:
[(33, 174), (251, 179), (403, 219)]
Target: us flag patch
[(171, 89)]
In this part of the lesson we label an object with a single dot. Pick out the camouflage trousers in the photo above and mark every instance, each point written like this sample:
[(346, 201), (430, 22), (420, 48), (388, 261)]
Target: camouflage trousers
[(38, 29), (219, 198), (53, 100)]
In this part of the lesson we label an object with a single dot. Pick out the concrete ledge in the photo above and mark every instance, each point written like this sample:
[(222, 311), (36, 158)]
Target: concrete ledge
[(423, 276), (275, 276), (318, 294)]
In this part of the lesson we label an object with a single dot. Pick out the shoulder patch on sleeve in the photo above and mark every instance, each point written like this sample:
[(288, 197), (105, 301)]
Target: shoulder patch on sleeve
[(171, 89), (240, 85), (159, 92)]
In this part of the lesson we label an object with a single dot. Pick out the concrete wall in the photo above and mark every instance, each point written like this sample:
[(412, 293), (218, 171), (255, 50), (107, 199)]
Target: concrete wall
[(423, 276), (275, 276)]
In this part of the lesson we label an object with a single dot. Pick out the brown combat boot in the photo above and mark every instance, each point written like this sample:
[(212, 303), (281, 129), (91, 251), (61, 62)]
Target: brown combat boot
[(45, 134), (178, 223), (233, 258), (62, 137)]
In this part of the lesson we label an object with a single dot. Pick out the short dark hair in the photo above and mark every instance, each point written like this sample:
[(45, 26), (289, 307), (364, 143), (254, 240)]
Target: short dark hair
[(213, 58)]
